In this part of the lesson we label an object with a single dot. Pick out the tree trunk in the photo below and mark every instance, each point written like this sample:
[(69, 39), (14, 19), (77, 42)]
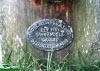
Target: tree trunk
[(85, 20), (79, 13), (83, 15), (42, 9)]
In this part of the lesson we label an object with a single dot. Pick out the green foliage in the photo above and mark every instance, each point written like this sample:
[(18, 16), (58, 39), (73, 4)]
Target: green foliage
[(80, 60)]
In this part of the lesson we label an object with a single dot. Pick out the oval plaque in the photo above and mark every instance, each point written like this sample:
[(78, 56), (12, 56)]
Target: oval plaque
[(50, 34)]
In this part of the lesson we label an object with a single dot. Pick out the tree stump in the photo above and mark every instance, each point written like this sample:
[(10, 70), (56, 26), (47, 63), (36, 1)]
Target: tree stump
[(52, 9)]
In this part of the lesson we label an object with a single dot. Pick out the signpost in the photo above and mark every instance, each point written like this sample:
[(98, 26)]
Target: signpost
[(50, 34)]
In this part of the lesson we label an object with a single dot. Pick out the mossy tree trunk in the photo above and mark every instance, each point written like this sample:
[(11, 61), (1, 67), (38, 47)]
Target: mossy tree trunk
[(43, 9), (83, 15), (85, 19)]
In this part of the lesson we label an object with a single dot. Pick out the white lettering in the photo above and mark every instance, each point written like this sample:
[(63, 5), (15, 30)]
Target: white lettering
[(50, 40), (49, 34)]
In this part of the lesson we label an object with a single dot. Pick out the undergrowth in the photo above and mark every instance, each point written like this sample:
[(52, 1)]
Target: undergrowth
[(79, 60)]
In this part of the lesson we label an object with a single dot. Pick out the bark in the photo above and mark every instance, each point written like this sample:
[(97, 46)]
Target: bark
[(83, 20), (83, 15), (77, 13), (46, 9)]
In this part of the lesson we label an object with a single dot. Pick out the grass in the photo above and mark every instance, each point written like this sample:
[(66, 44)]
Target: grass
[(77, 62), (80, 60)]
